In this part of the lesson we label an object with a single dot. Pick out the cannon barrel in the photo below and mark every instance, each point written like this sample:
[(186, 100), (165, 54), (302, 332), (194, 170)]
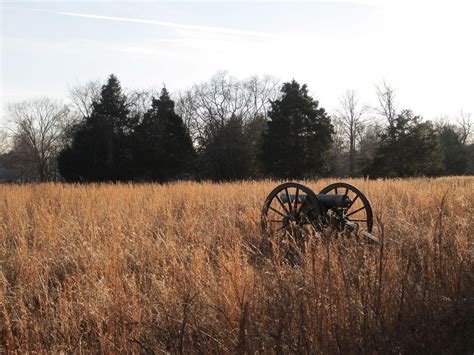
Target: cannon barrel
[(334, 200), (327, 200)]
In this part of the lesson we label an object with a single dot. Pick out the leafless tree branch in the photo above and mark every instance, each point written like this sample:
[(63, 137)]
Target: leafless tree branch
[(351, 119), (386, 102), (466, 126), (215, 102), (84, 95), (38, 130)]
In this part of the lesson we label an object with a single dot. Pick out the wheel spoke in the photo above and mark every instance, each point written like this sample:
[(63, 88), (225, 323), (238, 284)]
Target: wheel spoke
[(296, 199), (288, 199), (282, 205), (352, 202), (358, 210), (300, 209), (357, 220), (335, 191), (275, 210), (347, 191)]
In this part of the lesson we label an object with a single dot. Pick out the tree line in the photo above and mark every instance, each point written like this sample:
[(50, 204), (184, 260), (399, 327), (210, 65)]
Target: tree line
[(226, 129)]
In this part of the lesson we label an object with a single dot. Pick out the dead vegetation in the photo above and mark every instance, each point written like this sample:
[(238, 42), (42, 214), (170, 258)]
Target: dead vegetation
[(177, 268)]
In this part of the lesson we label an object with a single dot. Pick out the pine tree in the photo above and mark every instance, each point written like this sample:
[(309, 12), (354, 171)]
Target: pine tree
[(165, 149), (455, 154), (407, 148), (100, 149), (298, 137), (113, 107)]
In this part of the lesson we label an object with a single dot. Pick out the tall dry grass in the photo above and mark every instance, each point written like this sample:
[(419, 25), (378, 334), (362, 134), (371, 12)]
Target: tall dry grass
[(176, 268)]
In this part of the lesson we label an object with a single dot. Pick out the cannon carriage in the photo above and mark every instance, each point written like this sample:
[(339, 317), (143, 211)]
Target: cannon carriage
[(293, 210)]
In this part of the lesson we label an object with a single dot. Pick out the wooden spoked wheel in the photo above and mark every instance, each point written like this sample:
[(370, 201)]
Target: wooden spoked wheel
[(358, 213), (291, 211)]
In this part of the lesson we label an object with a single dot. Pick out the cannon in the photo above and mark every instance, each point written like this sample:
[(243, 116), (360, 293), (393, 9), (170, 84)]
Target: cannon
[(293, 210)]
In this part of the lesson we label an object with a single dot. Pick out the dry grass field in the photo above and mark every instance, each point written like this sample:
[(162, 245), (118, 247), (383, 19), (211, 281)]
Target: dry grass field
[(177, 268)]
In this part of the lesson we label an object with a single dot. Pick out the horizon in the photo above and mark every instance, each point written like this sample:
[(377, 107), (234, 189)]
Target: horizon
[(331, 46)]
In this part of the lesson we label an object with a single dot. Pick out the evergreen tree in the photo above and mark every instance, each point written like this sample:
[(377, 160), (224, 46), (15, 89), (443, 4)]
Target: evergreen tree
[(469, 148), (455, 154), (298, 137), (164, 150), (100, 148), (112, 106), (407, 148)]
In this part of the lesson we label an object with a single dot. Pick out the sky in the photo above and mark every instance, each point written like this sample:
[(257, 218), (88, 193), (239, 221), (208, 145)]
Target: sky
[(424, 49)]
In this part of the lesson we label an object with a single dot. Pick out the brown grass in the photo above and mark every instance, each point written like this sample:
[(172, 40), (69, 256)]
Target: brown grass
[(176, 268)]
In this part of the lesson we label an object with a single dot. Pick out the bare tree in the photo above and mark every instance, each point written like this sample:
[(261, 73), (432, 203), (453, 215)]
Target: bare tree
[(338, 157), (38, 126), (386, 103), (4, 143), (351, 117), (226, 120), (369, 141), (139, 101), (83, 95), (260, 92), (215, 102), (466, 126)]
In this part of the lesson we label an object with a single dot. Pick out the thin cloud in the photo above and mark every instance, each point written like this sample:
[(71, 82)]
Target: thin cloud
[(219, 30)]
